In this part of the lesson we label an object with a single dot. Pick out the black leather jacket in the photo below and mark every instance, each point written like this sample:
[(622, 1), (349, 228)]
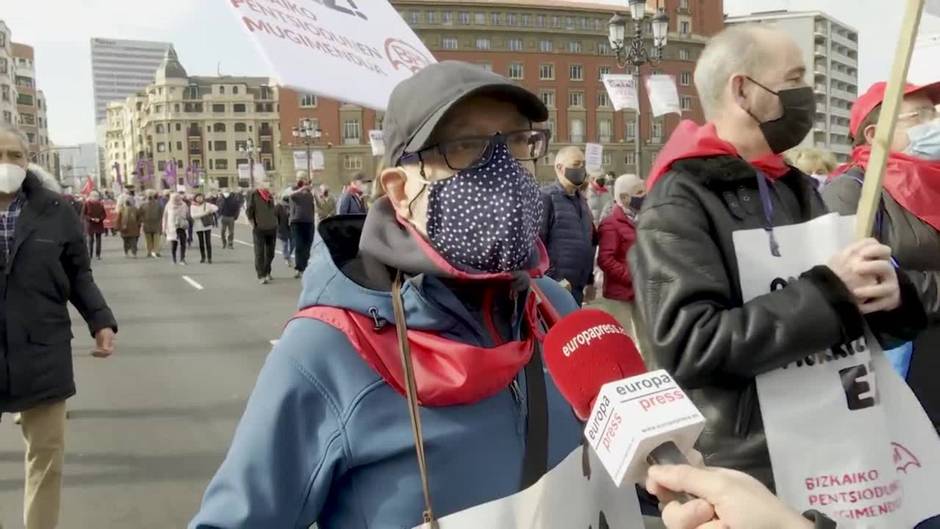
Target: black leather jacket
[(687, 287)]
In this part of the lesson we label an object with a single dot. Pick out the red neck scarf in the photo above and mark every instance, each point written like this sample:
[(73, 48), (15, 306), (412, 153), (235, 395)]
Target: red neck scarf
[(690, 140), (597, 188), (265, 195), (912, 182)]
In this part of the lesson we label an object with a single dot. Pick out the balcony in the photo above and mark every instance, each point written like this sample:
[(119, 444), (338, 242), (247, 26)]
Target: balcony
[(195, 150), (820, 89), (194, 132), (819, 126), (820, 51), (266, 131), (845, 77), (844, 40), (821, 108)]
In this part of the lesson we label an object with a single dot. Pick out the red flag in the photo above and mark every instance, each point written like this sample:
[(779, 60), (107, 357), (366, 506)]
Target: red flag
[(88, 187)]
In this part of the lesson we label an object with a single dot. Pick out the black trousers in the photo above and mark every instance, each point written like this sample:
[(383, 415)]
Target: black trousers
[(130, 245), (180, 244), (94, 244), (302, 234), (265, 244), (205, 244)]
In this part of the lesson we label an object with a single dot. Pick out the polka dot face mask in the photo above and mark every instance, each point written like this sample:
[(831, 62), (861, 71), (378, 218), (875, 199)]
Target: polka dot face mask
[(486, 218)]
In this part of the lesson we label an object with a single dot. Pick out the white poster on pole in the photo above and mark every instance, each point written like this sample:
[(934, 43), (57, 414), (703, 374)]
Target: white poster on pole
[(594, 158), (316, 161), (664, 96), (377, 141), (348, 50), (578, 493), (622, 91), (933, 7), (244, 171)]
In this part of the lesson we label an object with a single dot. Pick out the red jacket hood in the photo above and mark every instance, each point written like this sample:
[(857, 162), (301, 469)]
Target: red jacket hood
[(690, 140)]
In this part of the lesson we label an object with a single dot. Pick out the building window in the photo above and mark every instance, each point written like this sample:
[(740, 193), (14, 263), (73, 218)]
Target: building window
[(464, 18), (556, 21), (24, 100), (179, 146), (3, 39), (351, 131), (515, 44), (239, 108), (179, 127), (512, 19), (432, 17), (221, 89), (545, 46), (685, 25), (218, 127), (657, 130), (576, 98), (308, 101), (602, 71), (569, 23), (603, 100), (220, 145), (684, 54), (631, 128), (218, 109), (415, 17), (449, 43), (630, 158), (3, 64), (221, 164), (575, 46), (683, 4), (516, 71), (603, 48), (605, 129), (550, 125), (686, 102), (483, 43), (685, 78), (576, 72), (547, 72), (577, 131), (548, 98), (7, 116), (607, 159), (526, 20), (447, 18), (5, 92), (240, 127), (496, 19), (479, 19), (352, 163), (234, 90), (540, 21), (160, 128), (161, 147)]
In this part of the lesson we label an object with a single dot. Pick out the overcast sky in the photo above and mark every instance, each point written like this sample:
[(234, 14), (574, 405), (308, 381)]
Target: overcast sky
[(208, 38)]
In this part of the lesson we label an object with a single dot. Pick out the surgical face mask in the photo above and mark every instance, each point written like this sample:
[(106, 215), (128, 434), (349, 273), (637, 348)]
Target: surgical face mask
[(787, 131), (11, 178), (636, 203), (925, 141), (486, 218), (575, 175)]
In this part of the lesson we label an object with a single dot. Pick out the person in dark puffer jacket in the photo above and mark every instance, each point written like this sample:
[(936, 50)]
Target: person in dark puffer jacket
[(568, 226)]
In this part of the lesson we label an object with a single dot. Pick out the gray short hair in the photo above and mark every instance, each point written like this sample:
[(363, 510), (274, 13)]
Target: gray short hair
[(6, 128), (737, 49)]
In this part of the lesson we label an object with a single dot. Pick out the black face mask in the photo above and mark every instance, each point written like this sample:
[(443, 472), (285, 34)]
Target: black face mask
[(787, 131), (636, 203), (575, 175)]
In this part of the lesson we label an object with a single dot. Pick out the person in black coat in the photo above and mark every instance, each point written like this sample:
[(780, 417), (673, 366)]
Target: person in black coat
[(46, 265)]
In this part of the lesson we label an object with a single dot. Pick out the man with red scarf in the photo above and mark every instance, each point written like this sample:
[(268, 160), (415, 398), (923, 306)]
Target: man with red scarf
[(909, 217), (261, 214), (728, 176)]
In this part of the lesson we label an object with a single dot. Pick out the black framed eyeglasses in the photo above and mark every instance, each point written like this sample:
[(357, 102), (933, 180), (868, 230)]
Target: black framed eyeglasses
[(476, 151)]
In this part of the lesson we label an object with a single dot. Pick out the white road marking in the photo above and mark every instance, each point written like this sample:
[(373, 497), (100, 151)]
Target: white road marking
[(193, 283), (248, 244)]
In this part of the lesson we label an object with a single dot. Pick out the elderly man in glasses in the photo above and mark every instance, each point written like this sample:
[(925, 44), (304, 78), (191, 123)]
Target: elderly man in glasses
[(909, 217), (449, 258)]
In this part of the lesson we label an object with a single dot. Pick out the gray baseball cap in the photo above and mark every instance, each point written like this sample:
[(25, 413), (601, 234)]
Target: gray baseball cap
[(420, 102)]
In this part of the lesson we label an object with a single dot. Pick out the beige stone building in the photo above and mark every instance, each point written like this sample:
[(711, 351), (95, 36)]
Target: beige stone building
[(7, 77), (206, 123)]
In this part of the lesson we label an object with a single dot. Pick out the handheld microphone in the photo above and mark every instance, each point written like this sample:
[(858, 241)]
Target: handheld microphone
[(634, 418)]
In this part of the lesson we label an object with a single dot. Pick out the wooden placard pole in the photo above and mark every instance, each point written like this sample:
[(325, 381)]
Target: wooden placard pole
[(874, 175)]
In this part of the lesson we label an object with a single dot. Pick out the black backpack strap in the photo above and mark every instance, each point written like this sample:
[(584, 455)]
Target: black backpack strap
[(535, 462)]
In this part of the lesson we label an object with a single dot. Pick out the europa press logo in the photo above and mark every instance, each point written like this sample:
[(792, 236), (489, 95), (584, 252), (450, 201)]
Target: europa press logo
[(404, 55)]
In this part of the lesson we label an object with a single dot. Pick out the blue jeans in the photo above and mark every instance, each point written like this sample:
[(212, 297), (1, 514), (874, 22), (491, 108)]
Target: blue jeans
[(288, 248)]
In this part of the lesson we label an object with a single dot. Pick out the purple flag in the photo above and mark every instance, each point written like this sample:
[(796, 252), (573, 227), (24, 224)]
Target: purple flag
[(170, 172)]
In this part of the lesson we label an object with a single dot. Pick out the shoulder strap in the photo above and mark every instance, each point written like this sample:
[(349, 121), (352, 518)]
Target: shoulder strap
[(412, 393), (535, 461)]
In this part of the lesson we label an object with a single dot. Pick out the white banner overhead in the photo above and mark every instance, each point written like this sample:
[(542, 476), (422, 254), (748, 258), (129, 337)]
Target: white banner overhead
[(343, 49), (317, 163), (664, 96), (244, 171), (933, 7), (622, 91)]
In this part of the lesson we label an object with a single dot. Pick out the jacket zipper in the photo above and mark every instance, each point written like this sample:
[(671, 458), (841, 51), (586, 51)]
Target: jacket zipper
[(515, 389)]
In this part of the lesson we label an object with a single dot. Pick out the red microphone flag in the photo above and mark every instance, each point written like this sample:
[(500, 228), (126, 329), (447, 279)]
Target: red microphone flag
[(612, 356)]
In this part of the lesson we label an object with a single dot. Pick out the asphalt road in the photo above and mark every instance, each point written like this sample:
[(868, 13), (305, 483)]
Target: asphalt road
[(151, 424)]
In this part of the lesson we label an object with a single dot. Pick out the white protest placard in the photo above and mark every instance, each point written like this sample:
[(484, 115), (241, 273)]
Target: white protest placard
[(377, 141), (663, 94), (594, 158), (622, 91), (348, 50), (316, 160), (933, 7), (575, 494), (244, 171)]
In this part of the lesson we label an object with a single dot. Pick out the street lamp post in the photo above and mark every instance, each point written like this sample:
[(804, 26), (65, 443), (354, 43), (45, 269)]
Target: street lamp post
[(306, 132), (249, 149), (633, 53)]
